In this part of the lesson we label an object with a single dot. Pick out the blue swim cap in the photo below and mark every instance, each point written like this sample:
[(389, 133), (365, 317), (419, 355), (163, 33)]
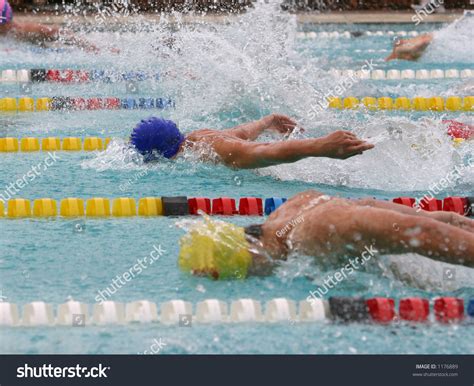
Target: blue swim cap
[(157, 135)]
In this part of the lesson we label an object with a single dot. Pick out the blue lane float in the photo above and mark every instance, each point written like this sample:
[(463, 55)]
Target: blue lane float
[(273, 203), (470, 308)]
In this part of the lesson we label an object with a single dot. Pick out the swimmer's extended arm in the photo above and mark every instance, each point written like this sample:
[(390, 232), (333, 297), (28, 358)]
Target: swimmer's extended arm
[(249, 155), (40, 33), (410, 49), (425, 236), (252, 130), (447, 217)]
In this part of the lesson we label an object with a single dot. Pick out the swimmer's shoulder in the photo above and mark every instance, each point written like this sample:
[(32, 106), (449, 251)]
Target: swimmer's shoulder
[(296, 204), (198, 135)]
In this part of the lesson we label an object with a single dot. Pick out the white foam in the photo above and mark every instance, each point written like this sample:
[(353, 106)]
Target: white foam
[(424, 273)]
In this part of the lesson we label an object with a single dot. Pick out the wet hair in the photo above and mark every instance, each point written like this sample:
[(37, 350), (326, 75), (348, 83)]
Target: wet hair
[(254, 230)]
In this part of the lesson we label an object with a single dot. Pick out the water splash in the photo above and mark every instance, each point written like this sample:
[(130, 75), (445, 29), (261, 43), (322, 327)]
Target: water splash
[(224, 73), (452, 43), (424, 273)]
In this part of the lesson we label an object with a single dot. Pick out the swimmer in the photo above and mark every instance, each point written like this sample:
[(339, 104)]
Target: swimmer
[(410, 49), (236, 147), (329, 228), (36, 32), (413, 49)]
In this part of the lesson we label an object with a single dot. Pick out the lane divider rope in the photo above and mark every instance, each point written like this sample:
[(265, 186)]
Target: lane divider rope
[(37, 75), (80, 76), (445, 310), (352, 34), (184, 206), (26, 104), (395, 74), (32, 144), (437, 103)]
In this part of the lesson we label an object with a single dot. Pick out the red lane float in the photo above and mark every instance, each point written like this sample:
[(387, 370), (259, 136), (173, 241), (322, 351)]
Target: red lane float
[(448, 309), (407, 201), (431, 204), (81, 76), (79, 103), (67, 76), (460, 205), (52, 75), (414, 309), (112, 103), (199, 204), (251, 206), (381, 310), (224, 206), (94, 104)]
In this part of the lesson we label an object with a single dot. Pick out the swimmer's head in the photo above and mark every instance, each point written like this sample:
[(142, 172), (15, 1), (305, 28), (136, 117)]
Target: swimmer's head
[(157, 136), (215, 249), (6, 14)]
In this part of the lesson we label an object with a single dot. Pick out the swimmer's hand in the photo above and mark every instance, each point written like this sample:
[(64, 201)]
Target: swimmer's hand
[(280, 123), (343, 144)]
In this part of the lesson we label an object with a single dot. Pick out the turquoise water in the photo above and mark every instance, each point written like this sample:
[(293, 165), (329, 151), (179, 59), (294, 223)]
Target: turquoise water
[(220, 78)]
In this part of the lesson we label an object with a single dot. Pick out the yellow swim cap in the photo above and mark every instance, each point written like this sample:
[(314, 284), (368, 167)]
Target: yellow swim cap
[(217, 249)]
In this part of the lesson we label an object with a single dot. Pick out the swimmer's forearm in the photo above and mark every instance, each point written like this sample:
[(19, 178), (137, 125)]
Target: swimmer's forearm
[(249, 155), (397, 233), (251, 130), (440, 241), (445, 217), (288, 151)]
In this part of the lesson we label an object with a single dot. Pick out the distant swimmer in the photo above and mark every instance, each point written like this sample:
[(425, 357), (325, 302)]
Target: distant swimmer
[(331, 229), (37, 32), (236, 147), (410, 49), (413, 49)]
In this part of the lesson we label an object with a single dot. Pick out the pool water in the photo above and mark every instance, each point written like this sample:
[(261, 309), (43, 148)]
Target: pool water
[(219, 76)]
